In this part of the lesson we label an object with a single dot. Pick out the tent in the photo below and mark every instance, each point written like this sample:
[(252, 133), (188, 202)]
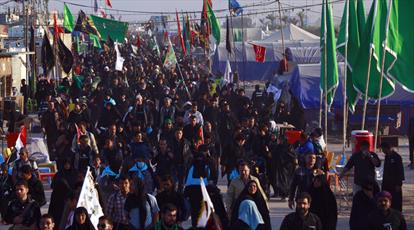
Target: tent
[(397, 109), (303, 48), (291, 32), (243, 58), (305, 80)]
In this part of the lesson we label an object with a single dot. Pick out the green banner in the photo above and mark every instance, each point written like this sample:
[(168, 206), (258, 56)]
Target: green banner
[(107, 27)]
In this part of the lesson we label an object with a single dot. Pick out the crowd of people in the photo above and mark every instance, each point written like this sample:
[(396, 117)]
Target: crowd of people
[(151, 135)]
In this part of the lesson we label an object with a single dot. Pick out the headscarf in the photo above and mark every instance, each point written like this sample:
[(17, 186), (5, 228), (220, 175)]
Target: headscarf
[(249, 214), (257, 198), (87, 225)]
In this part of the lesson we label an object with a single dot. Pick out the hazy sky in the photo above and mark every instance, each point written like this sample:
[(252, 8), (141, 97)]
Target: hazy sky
[(195, 5)]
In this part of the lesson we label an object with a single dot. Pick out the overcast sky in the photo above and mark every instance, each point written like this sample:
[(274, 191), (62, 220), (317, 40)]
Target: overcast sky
[(195, 5)]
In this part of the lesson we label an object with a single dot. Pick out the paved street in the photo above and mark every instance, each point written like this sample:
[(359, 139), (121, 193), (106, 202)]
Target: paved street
[(279, 209)]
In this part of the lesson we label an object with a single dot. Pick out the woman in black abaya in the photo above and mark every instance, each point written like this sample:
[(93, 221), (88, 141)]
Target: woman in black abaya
[(324, 202), (282, 167), (63, 184), (249, 193)]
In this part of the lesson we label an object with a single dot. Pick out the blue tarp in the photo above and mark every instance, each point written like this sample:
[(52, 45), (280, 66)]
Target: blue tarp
[(304, 84), (243, 58)]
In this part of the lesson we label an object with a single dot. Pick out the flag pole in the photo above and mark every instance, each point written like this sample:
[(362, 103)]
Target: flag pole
[(364, 112), (320, 108), (243, 56), (382, 72), (281, 31), (232, 40), (344, 123), (182, 78), (326, 77)]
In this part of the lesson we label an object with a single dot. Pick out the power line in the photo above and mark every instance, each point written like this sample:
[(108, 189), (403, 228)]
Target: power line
[(164, 12), (290, 7)]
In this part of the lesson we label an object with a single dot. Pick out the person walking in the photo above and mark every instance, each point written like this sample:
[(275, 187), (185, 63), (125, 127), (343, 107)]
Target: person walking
[(302, 218), (385, 217), (393, 175), (365, 163)]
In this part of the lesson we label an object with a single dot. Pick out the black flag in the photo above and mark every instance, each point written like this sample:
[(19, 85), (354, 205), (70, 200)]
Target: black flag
[(85, 25), (228, 38), (65, 56), (48, 60), (110, 42)]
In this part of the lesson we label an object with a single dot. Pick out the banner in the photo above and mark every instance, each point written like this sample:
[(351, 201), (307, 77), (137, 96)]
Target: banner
[(108, 27), (119, 59), (89, 199)]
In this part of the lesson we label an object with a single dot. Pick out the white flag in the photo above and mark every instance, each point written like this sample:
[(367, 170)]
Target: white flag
[(228, 74), (89, 199), (207, 207), (119, 59)]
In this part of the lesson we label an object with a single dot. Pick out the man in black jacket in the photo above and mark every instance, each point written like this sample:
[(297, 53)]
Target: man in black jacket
[(362, 204), (170, 196), (384, 217), (365, 163), (23, 211), (302, 218), (36, 190), (393, 175)]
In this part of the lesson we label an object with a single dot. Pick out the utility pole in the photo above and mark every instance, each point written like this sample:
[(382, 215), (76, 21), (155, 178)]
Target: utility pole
[(26, 43)]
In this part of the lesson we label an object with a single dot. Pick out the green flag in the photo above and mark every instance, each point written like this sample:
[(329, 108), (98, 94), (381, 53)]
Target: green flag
[(96, 41), (400, 43), (214, 24), (361, 17), (328, 54), (153, 45), (373, 38), (68, 21), (170, 58), (349, 34), (108, 27)]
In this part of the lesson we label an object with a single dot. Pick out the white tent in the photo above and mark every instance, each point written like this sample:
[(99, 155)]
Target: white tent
[(291, 33)]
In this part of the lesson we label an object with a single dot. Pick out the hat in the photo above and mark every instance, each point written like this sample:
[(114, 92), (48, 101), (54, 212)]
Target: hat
[(168, 121), (384, 194)]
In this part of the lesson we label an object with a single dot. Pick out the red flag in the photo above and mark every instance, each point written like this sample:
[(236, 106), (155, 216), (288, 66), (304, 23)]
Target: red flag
[(21, 139), (138, 41), (103, 13), (108, 3), (180, 34), (260, 52), (201, 134), (57, 29)]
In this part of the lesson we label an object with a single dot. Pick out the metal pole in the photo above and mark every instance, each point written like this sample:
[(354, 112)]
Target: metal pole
[(182, 78), (25, 9), (364, 112), (382, 73), (243, 56), (368, 76), (345, 82), (281, 30), (320, 108), (326, 78)]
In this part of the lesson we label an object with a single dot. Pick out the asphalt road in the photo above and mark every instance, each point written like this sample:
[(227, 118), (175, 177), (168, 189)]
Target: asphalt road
[(279, 209)]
